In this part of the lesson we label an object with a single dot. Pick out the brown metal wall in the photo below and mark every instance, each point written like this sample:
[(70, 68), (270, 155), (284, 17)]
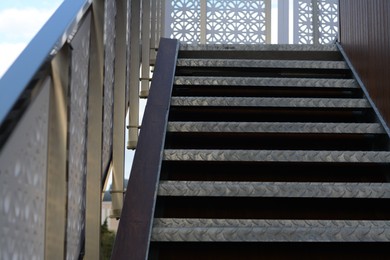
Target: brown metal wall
[(365, 30)]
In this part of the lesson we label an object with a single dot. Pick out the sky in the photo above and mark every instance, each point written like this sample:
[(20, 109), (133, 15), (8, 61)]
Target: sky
[(20, 20)]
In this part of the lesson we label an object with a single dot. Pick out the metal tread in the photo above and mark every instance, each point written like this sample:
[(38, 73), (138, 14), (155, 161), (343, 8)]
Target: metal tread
[(274, 189), (270, 102), (266, 82), (277, 156), (256, 230), (258, 47), (271, 127), (241, 63)]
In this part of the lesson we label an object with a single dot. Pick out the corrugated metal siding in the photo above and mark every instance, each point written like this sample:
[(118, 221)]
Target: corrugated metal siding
[(365, 30)]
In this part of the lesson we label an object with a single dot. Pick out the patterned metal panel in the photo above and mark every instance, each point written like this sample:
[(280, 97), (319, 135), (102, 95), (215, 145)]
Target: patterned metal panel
[(185, 20), (316, 21), (277, 156), (274, 189), (285, 127), (77, 141), (328, 20), (266, 82), (253, 230), (257, 47), (109, 40), (237, 63), (23, 169), (232, 21), (270, 102)]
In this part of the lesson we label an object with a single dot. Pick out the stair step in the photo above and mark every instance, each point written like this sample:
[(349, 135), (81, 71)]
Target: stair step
[(275, 127), (240, 63), (256, 230), (259, 47), (265, 81), (270, 102), (277, 156), (274, 189)]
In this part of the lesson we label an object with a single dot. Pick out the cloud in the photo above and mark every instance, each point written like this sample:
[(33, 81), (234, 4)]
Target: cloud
[(20, 25), (17, 28)]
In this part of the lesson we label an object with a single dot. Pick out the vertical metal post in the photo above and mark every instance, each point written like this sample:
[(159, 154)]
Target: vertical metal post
[(145, 49), (153, 32), (203, 21), (118, 156), (296, 22), (134, 74), (159, 21), (283, 21), (316, 22), (95, 128), (56, 194), (165, 18), (268, 21)]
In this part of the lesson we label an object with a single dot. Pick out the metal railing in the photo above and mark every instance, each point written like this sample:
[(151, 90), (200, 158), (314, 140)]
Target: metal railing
[(64, 101), (63, 106)]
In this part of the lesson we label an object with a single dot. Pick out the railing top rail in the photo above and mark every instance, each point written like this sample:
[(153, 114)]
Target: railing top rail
[(57, 30)]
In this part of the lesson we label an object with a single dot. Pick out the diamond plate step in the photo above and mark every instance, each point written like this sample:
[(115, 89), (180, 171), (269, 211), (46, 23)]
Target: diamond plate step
[(266, 82), (270, 127), (274, 189), (258, 47), (239, 63), (277, 156), (253, 230), (270, 102)]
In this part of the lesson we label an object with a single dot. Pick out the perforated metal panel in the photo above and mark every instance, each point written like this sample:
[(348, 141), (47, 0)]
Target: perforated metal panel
[(109, 40), (23, 171), (77, 140)]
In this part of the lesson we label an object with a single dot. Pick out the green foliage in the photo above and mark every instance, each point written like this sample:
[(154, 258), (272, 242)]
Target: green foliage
[(106, 242)]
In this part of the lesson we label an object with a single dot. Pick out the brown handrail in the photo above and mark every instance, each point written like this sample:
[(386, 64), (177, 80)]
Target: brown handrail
[(133, 237)]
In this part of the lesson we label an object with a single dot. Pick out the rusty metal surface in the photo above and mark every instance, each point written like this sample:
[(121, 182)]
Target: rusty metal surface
[(364, 26)]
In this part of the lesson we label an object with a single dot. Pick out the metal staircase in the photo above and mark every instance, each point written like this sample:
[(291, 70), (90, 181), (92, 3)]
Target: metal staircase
[(270, 151)]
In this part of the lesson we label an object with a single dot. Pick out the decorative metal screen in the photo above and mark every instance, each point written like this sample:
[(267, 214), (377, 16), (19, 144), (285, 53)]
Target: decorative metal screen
[(249, 22), (77, 141), (315, 21), (234, 21), (23, 169), (303, 13), (328, 20), (227, 21), (185, 20)]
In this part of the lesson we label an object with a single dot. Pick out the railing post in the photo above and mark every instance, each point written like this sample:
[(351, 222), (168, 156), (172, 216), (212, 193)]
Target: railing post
[(118, 156), (153, 32), (203, 21), (145, 79), (268, 21), (283, 21), (95, 128), (135, 74), (316, 22), (57, 157), (166, 19)]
